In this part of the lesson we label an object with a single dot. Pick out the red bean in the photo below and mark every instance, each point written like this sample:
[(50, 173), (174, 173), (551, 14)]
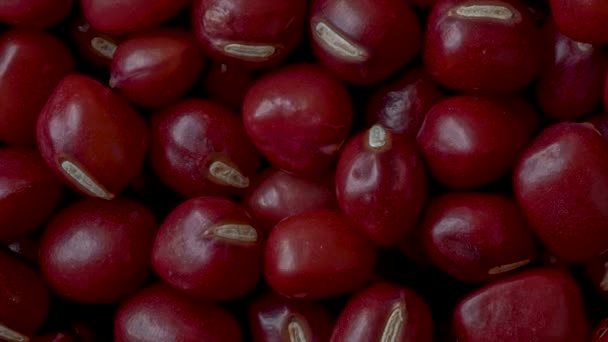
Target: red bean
[(275, 318), (381, 184), (476, 236), (34, 13), (584, 20), (317, 254), (470, 141), (402, 104), (385, 312), (98, 251), (208, 248), (364, 41), (33, 64), (299, 117), (483, 46), (573, 76), (541, 305), (279, 194), (29, 192), (561, 183), (159, 313), (129, 16), (251, 33), (201, 148), (91, 137), (24, 299), (156, 68)]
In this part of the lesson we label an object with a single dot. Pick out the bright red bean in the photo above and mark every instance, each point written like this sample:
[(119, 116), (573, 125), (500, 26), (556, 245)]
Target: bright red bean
[(561, 183), (488, 46), (29, 192), (402, 104), (381, 184), (317, 254), (385, 312), (573, 76), (279, 194), (543, 305), (364, 41), (34, 13), (91, 137), (582, 20), (129, 16), (201, 148), (208, 248), (159, 313), (250, 33), (275, 318), (299, 117), (98, 251), (24, 299), (156, 68), (33, 63), (477, 236), (470, 141)]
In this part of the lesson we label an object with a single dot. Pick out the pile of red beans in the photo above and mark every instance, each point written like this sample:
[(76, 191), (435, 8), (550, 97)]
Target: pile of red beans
[(303, 171)]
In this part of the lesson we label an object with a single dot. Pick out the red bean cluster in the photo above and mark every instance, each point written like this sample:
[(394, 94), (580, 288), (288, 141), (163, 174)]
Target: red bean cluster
[(304, 170)]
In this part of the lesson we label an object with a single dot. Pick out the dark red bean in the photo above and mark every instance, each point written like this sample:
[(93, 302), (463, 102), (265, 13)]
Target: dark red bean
[(385, 312), (606, 94), (129, 16), (91, 137), (543, 305), (600, 123), (470, 141), (157, 67), (98, 251), (275, 318), (317, 254), (33, 63), (573, 76), (201, 148), (29, 192), (413, 249), (600, 332), (381, 184), (24, 299), (402, 104), (34, 13), (584, 21), (561, 184), (597, 270), (364, 41), (95, 47), (250, 33), (55, 337), (279, 194), (483, 46), (160, 313), (227, 84), (208, 248), (299, 117), (423, 3), (477, 236), (26, 248)]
